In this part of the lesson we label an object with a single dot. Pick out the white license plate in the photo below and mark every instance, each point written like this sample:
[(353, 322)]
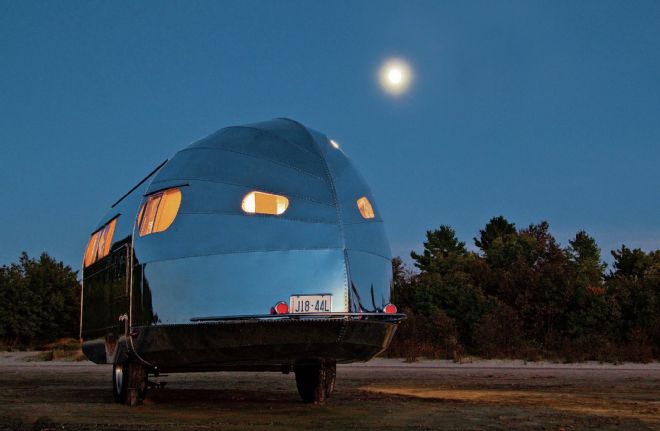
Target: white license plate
[(310, 303)]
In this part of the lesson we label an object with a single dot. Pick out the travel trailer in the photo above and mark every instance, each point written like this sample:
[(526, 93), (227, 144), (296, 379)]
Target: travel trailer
[(259, 247)]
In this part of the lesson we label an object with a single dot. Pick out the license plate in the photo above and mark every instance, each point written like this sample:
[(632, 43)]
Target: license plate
[(310, 303)]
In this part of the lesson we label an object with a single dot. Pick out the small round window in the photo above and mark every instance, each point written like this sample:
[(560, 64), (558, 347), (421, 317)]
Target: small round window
[(365, 208)]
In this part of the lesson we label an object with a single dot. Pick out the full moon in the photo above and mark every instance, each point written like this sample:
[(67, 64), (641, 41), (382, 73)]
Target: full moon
[(395, 76)]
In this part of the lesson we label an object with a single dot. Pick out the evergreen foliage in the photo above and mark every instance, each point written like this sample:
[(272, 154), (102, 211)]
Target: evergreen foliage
[(522, 295), (39, 301)]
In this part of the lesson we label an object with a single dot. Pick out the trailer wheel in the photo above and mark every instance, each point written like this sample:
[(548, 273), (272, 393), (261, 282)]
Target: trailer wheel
[(315, 381), (129, 382)]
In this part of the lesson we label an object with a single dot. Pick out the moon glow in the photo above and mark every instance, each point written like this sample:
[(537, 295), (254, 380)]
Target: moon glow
[(395, 76)]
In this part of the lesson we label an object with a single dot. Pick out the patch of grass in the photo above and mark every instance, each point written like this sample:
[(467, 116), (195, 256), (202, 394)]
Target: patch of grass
[(65, 349), (57, 355), (66, 344), (41, 357)]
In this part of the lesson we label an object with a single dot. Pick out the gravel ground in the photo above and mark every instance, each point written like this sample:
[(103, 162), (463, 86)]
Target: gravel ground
[(382, 394)]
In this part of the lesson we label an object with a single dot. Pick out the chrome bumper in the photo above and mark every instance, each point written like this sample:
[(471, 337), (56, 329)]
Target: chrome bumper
[(264, 342)]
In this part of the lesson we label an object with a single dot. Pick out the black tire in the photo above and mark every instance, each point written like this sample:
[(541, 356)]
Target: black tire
[(119, 373), (315, 381), (129, 383)]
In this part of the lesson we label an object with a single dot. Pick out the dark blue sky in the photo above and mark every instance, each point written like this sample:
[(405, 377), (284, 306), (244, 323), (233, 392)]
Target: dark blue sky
[(534, 110)]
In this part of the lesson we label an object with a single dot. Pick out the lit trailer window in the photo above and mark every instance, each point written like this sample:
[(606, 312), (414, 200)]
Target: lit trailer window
[(159, 211), (99, 243)]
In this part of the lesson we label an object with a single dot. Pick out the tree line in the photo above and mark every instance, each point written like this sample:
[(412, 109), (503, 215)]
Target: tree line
[(39, 301), (522, 295)]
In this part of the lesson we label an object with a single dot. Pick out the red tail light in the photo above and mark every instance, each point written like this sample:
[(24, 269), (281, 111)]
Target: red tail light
[(281, 308), (390, 309)]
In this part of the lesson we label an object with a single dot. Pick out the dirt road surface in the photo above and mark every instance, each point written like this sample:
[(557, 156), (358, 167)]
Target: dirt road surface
[(383, 395)]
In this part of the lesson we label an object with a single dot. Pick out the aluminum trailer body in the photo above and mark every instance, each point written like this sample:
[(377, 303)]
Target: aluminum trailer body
[(259, 247)]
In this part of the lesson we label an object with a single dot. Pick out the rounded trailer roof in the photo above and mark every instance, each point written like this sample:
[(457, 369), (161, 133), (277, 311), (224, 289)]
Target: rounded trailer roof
[(280, 157)]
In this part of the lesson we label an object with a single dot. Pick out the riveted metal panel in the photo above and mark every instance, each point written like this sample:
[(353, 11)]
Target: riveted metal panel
[(264, 145), (371, 278), (249, 283), (206, 234), (238, 169)]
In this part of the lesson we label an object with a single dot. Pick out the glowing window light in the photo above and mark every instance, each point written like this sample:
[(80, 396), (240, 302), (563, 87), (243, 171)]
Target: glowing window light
[(159, 211), (105, 239), (99, 243), (90, 251), (264, 203), (366, 210)]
